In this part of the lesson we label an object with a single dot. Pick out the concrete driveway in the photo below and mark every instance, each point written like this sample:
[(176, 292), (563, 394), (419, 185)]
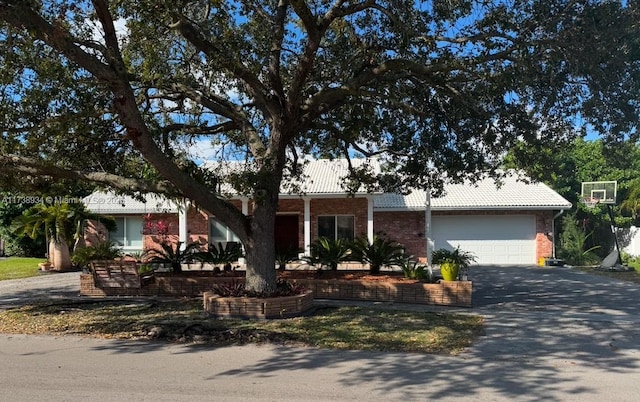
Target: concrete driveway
[(552, 334)]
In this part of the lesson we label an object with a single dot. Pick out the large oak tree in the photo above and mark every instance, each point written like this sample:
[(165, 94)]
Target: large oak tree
[(114, 92)]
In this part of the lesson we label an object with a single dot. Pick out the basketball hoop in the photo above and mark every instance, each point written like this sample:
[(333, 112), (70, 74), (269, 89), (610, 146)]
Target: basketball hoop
[(590, 202)]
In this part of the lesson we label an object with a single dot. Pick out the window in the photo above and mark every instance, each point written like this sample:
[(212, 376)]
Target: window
[(336, 227), (128, 233), (218, 232)]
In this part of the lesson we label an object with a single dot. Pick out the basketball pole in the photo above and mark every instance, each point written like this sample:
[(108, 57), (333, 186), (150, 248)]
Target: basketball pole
[(615, 234)]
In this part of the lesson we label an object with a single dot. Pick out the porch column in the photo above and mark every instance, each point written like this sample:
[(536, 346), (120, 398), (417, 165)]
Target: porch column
[(183, 236), (370, 219), (307, 226), (245, 206), (245, 212), (427, 229)]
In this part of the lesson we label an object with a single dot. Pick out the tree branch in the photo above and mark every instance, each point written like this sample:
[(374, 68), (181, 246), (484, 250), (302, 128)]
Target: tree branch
[(13, 164)]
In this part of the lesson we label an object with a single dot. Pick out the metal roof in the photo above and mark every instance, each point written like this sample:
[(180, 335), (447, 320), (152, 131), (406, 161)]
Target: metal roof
[(113, 204), (323, 178), (512, 193)]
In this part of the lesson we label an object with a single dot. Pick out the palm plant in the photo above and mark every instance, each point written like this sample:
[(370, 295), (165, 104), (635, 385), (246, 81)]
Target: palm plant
[(105, 250), (174, 255), (220, 253), (286, 255), (329, 252), (60, 223), (381, 252)]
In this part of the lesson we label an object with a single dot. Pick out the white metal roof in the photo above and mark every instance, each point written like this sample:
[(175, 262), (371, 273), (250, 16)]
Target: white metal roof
[(485, 194), (113, 204), (323, 178)]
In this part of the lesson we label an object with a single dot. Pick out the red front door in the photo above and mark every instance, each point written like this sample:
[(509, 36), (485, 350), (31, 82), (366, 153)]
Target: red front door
[(286, 232)]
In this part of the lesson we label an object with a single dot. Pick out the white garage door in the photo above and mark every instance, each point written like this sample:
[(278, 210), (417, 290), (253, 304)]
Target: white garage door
[(493, 239)]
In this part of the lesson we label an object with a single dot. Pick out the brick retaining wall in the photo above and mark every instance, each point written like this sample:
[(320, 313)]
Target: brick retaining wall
[(456, 293)]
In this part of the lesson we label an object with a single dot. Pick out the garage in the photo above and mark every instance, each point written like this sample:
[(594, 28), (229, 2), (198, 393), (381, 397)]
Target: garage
[(494, 239)]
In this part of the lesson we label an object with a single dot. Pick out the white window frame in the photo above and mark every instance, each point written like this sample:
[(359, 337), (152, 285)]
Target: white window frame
[(229, 235), (123, 246)]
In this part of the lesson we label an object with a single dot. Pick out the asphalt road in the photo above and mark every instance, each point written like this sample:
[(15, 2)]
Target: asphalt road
[(552, 334)]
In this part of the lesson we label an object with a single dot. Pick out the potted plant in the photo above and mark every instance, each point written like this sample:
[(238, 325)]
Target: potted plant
[(451, 261)]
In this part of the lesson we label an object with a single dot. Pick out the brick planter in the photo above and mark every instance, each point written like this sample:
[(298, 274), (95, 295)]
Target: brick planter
[(457, 293), (254, 307)]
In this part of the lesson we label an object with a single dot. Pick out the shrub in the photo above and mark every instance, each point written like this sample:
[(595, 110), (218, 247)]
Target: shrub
[(168, 254), (220, 253), (106, 250), (286, 255), (381, 252), (237, 289), (328, 252), (415, 270), (572, 244)]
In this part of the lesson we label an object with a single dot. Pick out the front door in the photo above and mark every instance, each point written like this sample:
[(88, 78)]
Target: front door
[(286, 232)]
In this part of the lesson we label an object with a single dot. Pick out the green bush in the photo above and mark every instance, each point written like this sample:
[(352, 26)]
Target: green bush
[(174, 255), (415, 270), (286, 255), (572, 244), (220, 253), (381, 252), (106, 250), (328, 252)]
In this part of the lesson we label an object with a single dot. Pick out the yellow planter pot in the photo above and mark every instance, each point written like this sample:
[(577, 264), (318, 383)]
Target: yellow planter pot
[(449, 271)]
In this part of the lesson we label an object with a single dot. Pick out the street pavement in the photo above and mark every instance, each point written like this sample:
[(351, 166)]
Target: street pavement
[(552, 334)]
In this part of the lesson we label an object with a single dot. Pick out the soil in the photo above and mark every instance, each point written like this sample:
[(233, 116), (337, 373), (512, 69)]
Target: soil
[(392, 277), (363, 275)]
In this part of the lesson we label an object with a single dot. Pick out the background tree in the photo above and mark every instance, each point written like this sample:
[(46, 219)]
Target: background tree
[(566, 167), (434, 90)]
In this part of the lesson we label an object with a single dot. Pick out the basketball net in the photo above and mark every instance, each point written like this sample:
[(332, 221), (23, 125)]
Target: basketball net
[(590, 202)]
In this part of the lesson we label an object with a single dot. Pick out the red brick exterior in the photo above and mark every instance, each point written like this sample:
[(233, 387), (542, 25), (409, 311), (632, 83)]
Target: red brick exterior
[(357, 207), (404, 227), (408, 228)]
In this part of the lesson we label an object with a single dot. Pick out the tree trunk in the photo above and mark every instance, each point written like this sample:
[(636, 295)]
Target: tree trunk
[(260, 251)]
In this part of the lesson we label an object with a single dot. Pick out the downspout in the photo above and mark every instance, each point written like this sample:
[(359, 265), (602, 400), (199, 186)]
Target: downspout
[(553, 233)]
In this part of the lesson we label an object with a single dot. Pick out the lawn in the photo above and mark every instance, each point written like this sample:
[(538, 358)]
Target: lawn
[(19, 267), (629, 276), (352, 328)]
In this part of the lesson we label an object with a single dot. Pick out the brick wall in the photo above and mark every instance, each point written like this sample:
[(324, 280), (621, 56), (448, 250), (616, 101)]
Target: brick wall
[(357, 207), (408, 228)]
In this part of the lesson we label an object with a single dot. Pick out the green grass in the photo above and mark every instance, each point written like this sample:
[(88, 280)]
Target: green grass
[(19, 267), (352, 328), (628, 276)]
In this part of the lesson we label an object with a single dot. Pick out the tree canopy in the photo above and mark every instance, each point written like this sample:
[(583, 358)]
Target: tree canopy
[(116, 92)]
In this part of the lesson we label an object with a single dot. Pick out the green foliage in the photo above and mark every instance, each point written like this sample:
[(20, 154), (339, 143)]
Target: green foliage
[(452, 261), (456, 256), (328, 252), (287, 255), (220, 253), (174, 255), (381, 252), (105, 250), (237, 289), (573, 242), (415, 270), (431, 102)]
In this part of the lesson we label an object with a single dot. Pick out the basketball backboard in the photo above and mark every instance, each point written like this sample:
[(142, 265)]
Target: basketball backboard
[(599, 192)]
